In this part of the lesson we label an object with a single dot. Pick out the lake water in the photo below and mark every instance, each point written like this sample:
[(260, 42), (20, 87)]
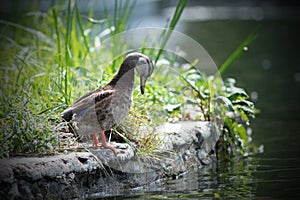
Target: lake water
[(269, 70)]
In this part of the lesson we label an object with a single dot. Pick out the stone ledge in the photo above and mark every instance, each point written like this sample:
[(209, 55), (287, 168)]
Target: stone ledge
[(186, 146)]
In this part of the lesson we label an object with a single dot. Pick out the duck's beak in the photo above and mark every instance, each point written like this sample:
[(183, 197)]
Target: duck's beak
[(142, 84)]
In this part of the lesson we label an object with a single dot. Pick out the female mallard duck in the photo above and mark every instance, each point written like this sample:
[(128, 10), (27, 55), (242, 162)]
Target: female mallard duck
[(104, 108)]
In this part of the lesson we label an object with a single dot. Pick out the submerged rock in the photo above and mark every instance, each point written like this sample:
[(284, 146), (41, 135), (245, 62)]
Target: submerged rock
[(186, 146)]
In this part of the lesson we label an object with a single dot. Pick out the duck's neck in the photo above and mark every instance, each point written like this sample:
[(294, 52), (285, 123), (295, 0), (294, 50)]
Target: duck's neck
[(123, 79)]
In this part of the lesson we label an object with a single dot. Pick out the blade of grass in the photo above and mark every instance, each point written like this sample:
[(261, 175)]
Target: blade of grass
[(115, 18), (127, 11), (68, 35), (53, 108), (238, 52), (58, 41), (59, 51), (175, 18), (67, 51), (79, 19), (121, 15)]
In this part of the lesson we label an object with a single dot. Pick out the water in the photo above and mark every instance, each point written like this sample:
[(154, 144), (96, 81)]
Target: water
[(270, 69), (227, 181)]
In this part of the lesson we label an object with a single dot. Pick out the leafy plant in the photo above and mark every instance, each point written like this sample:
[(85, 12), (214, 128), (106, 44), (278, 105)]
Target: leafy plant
[(230, 104), (200, 88), (225, 103), (23, 132), (234, 140), (45, 64), (49, 56)]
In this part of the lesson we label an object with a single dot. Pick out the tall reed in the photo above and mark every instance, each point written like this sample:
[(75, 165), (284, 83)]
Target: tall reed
[(49, 59)]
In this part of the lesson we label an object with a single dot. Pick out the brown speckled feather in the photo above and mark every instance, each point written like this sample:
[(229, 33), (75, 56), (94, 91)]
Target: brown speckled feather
[(105, 107), (80, 106)]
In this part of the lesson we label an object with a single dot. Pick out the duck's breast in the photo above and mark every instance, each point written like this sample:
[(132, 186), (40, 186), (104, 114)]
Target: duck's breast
[(121, 103)]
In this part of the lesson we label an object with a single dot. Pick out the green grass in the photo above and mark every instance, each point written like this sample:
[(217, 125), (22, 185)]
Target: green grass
[(50, 59)]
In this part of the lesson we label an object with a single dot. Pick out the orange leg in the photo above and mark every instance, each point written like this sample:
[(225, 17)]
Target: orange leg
[(104, 143), (96, 141)]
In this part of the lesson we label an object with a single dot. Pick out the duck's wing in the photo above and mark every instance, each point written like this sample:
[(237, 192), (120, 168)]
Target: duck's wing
[(82, 105)]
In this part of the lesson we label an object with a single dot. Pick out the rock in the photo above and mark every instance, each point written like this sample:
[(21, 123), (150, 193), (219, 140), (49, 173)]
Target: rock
[(186, 146)]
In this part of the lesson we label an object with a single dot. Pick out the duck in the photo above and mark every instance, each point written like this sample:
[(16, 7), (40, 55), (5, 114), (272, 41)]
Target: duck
[(104, 108)]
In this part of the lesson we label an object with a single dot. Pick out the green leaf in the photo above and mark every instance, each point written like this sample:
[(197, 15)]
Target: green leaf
[(191, 83), (246, 109), (237, 95), (193, 101), (244, 116), (242, 133), (233, 92), (243, 102), (211, 88), (172, 107), (225, 101), (216, 195)]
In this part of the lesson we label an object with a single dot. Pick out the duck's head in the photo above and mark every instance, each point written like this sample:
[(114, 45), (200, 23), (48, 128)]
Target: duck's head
[(143, 66)]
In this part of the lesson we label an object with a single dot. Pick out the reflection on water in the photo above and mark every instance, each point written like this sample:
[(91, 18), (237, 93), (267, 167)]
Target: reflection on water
[(227, 180)]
